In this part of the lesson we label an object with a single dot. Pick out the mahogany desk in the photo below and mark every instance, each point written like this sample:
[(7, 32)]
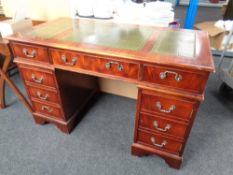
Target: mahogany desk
[(60, 60)]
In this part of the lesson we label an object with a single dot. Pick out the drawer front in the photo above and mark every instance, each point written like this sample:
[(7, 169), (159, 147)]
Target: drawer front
[(163, 126), (173, 107), (36, 53), (64, 58), (184, 80), (159, 142), (38, 76), (112, 67), (44, 95), (48, 110), (95, 64)]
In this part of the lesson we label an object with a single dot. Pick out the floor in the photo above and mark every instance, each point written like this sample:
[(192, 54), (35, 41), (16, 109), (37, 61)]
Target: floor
[(100, 144)]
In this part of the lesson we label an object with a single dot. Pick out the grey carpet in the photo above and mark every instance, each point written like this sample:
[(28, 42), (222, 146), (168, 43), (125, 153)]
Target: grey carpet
[(100, 144)]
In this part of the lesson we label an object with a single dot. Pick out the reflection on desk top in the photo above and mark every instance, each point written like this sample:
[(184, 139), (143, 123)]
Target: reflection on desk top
[(185, 48)]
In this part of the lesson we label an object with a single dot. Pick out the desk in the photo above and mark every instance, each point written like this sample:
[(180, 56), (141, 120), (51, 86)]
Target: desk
[(60, 61)]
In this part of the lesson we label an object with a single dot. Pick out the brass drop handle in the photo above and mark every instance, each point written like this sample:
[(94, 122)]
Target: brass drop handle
[(42, 97), (165, 129), (43, 108), (40, 80), (72, 63), (160, 108), (153, 141), (29, 55), (163, 75), (119, 65)]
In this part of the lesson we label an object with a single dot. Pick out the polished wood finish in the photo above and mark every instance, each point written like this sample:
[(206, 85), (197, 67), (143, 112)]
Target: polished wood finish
[(172, 146), (36, 53), (170, 67), (52, 110), (180, 123), (183, 107), (43, 94), (34, 75), (152, 74), (158, 124), (171, 159), (96, 64)]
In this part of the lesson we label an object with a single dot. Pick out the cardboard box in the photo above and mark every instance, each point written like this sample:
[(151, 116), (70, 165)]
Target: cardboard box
[(8, 27), (216, 34)]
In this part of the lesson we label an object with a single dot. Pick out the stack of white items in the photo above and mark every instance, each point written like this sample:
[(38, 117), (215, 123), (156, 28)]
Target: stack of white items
[(158, 13), (153, 13), (95, 8), (227, 26)]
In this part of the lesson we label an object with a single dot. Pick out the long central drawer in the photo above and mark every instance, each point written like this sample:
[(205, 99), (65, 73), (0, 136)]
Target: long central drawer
[(107, 66)]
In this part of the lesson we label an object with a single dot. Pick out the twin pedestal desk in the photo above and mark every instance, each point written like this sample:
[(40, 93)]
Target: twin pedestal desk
[(60, 61)]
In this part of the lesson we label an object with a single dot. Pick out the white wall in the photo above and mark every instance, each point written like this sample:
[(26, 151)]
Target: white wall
[(38, 9)]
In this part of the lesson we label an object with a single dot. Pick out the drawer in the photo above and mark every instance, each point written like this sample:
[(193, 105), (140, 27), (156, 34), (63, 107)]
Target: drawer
[(159, 142), (163, 126), (95, 64), (38, 76), (44, 95), (48, 110), (180, 79), (64, 58), (36, 53), (112, 67), (168, 105)]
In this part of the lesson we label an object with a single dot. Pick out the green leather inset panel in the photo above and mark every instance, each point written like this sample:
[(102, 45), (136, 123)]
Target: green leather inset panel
[(113, 35), (176, 43), (50, 31)]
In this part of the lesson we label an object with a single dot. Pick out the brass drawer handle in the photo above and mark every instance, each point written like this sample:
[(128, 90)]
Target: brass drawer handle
[(165, 129), (41, 97), (43, 108), (72, 63), (40, 80), (160, 108), (31, 55), (119, 65), (164, 143), (163, 75)]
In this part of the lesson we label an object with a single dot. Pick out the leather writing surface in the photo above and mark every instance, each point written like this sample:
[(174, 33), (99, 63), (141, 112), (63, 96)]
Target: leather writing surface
[(176, 43), (50, 31), (114, 35)]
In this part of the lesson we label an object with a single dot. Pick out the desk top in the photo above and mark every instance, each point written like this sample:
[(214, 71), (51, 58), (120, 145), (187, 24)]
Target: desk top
[(174, 47)]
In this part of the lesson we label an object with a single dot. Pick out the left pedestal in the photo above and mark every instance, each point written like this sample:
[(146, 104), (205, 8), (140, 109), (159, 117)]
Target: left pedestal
[(55, 100), (58, 97)]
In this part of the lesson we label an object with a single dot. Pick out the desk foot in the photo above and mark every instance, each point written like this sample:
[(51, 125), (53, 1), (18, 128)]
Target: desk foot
[(39, 120), (2, 106), (65, 127), (174, 161), (138, 152)]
